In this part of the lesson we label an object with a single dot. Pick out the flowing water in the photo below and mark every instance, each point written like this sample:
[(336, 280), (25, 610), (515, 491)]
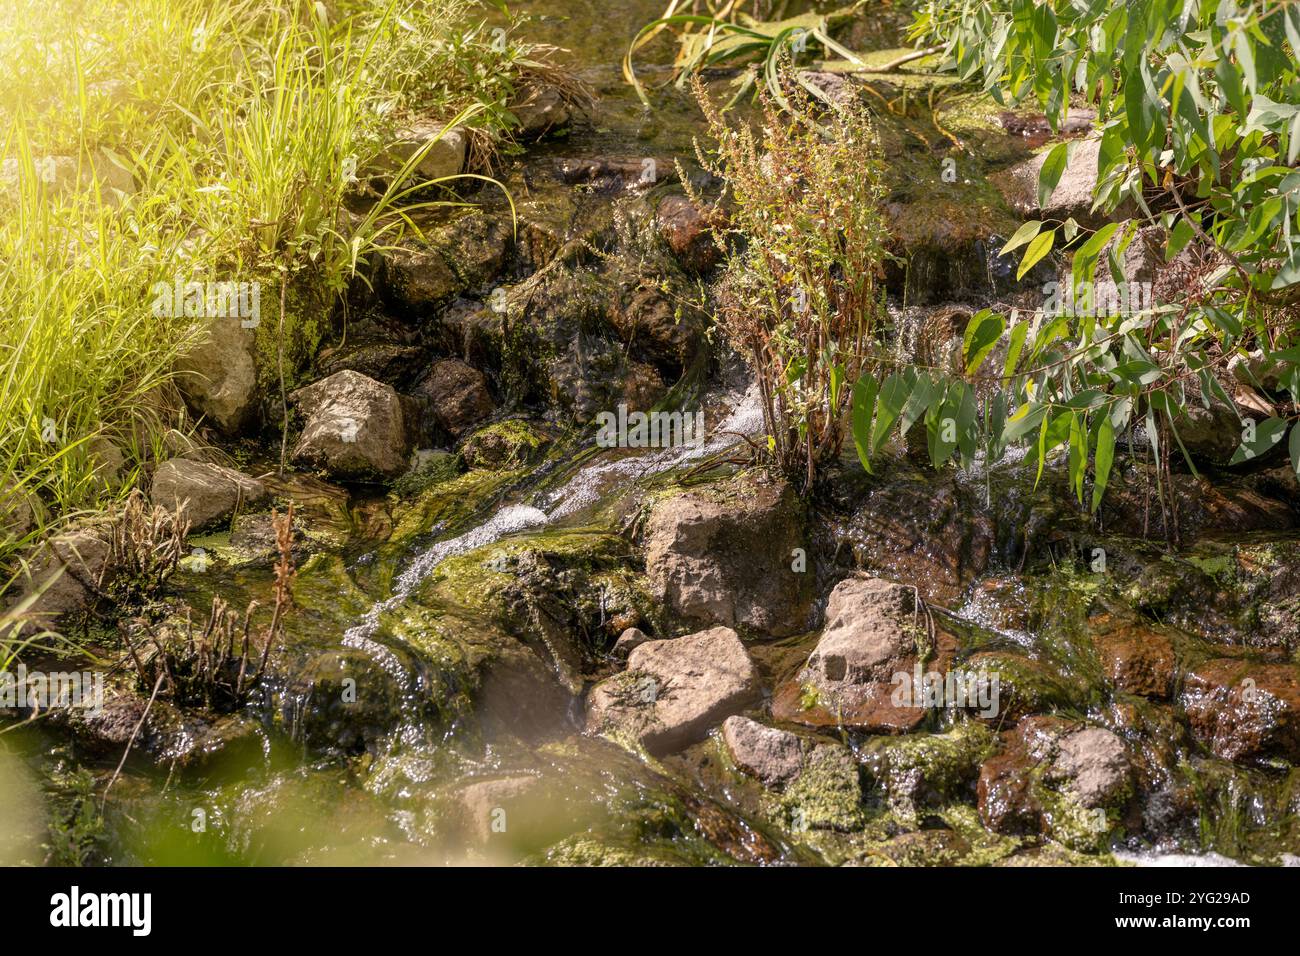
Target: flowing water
[(412, 775)]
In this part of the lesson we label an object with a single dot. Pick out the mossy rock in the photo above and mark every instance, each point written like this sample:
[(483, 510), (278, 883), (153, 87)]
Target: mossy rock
[(916, 770), (827, 794), (505, 444)]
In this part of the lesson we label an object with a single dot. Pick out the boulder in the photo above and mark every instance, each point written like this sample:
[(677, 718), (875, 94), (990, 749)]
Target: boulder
[(355, 428), (1093, 764), (632, 637), (827, 793), (1055, 776), (209, 493), (1135, 658), (1244, 710), (457, 395), (868, 650), (444, 156), (725, 554), (459, 253), (63, 575), (218, 377), (543, 110), (688, 231), (1072, 197), (773, 756), (673, 692)]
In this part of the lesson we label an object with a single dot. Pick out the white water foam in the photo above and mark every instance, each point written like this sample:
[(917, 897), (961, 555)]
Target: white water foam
[(580, 491)]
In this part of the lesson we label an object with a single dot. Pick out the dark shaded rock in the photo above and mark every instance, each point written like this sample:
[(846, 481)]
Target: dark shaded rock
[(457, 395), (388, 362), (688, 230), (458, 256)]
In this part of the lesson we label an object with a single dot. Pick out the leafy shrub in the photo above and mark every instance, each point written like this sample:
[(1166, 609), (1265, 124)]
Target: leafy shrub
[(800, 296)]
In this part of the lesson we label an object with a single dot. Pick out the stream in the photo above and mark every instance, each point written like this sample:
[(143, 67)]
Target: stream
[(428, 704)]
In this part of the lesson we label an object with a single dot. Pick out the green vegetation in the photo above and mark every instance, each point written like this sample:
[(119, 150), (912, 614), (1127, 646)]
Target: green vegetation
[(800, 295), (1198, 116), (184, 140)]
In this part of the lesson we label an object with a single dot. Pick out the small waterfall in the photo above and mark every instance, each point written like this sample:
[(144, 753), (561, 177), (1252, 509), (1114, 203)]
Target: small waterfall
[(585, 488)]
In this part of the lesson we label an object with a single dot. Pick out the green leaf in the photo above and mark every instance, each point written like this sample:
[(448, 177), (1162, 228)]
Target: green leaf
[(1294, 448), (1021, 236), (863, 409), (893, 394), (982, 333), (1103, 459), (1040, 247), (1050, 173), (1267, 434), (1017, 343)]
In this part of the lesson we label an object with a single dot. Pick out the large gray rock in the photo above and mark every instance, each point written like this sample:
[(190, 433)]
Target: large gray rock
[(773, 756), (868, 646), (725, 554), (355, 428), (1072, 197), (208, 492), (218, 377), (674, 691), (444, 156), (62, 577), (1094, 765)]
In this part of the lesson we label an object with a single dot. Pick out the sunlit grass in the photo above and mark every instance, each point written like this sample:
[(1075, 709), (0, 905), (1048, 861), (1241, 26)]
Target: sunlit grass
[(238, 130)]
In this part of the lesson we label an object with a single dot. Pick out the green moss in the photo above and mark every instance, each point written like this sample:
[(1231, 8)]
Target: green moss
[(928, 768), (827, 795), (448, 503), (505, 444)]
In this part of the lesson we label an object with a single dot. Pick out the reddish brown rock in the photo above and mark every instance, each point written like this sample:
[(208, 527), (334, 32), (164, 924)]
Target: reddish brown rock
[(1135, 658), (688, 231), (1243, 710)]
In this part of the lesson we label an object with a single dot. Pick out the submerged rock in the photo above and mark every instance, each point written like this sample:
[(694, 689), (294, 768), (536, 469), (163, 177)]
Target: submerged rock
[(674, 691), (355, 427), (827, 794), (1244, 710), (1057, 777), (208, 493), (1135, 658), (726, 554), (919, 770), (688, 230)]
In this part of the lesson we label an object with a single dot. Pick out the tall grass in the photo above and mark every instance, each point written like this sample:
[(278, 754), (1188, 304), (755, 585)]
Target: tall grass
[(242, 128)]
